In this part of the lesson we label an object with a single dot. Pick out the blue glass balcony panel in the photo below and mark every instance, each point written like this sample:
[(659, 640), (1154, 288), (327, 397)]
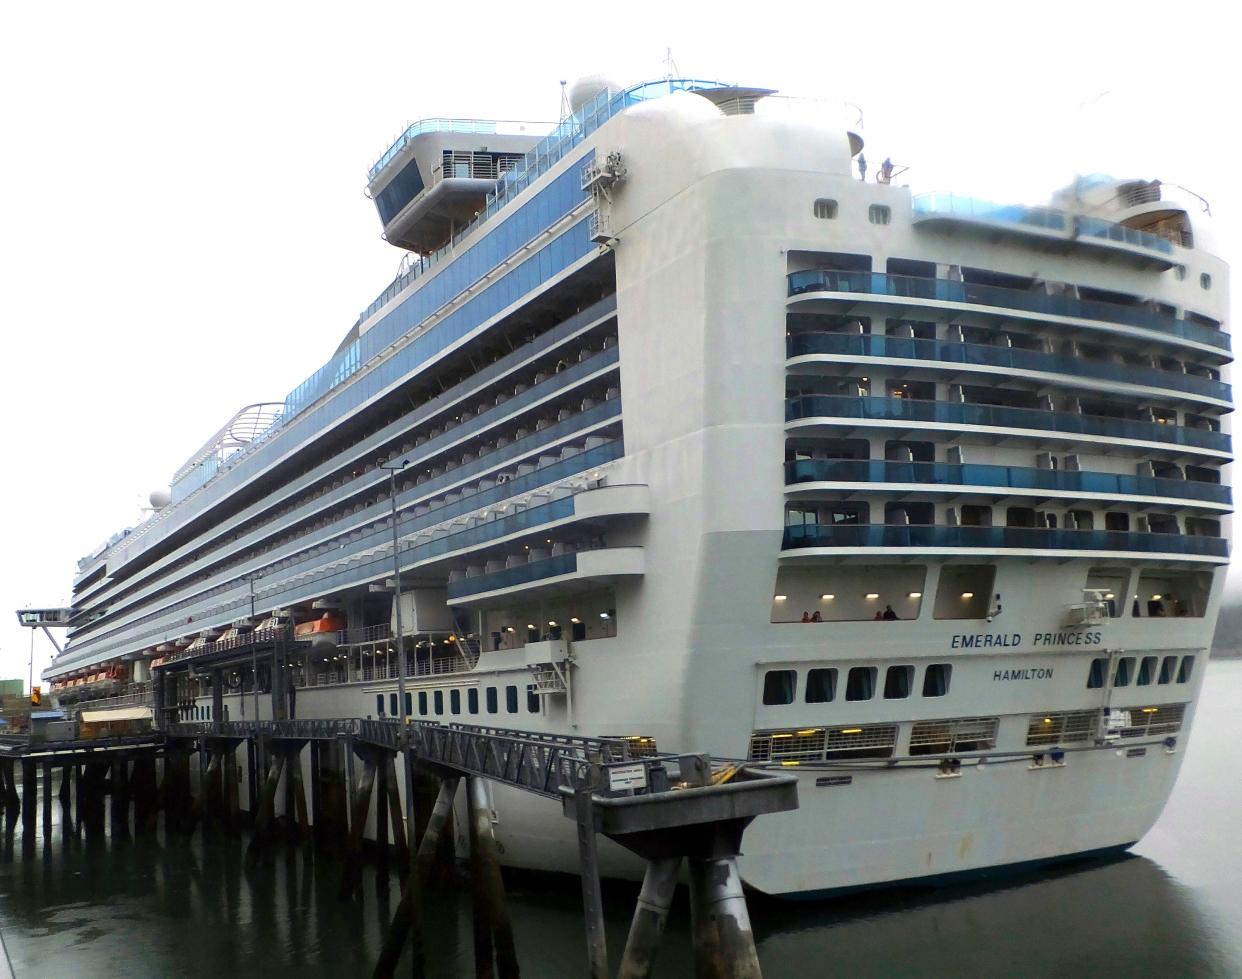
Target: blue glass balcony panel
[(871, 345), (553, 258), (222, 607), (935, 474), (955, 413), (1000, 538), (520, 575), (944, 290)]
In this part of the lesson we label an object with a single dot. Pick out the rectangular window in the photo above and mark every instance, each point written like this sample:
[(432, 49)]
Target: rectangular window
[(379, 704), (438, 699), (1099, 670), (1125, 669), (820, 744), (511, 703), (409, 705), (493, 706), (860, 684), (821, 686), (897, 682), (778, 686), (532, 700), (454, 701), (825, 208), (879, 214), (472, 701), (1147, 671), (1184, 671), (936, 679), (422, 702), (392, 704), (1168, 667)]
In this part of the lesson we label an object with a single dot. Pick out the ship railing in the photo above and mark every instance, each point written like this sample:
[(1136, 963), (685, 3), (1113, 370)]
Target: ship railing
[(140, 695)]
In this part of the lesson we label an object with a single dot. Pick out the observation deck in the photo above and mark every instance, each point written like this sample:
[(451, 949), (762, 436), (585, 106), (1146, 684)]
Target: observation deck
[(1046, 228)]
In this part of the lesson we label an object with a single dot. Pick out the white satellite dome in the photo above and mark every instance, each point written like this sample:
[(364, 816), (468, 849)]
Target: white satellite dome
[(160, 498), (587, 88)]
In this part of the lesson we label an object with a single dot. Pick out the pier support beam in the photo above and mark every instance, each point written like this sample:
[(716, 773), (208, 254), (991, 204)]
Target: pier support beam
[(358, 824), (494, 930), (30, 796), (47, 799), (724, 945), (588, 869), (650, 917)]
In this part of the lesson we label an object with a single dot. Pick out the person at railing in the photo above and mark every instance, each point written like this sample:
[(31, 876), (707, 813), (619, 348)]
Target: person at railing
[(816, 617), (886, 171), (806, 616), (889, 614), (862, 168)]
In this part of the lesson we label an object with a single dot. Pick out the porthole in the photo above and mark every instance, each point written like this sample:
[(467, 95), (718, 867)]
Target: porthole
[(825, 208)]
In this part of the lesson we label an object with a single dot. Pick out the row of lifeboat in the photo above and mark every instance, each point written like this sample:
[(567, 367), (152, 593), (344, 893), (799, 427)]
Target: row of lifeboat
[(98, 674)]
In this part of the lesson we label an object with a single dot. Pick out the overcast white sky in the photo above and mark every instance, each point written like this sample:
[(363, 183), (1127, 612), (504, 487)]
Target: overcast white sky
[(183, 230)]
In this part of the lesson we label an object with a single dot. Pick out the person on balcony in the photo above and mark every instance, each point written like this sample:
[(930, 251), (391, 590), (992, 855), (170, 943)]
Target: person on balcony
[(889, 614)]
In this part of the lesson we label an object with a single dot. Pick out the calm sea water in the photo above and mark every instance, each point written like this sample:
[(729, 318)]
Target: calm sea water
[(162, 909)]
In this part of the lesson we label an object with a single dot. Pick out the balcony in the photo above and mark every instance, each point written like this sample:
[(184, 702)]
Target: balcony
[(558, 574), (933, 539), (1023, 481), (942, 353), (1058, 230), (1074, 427), (810, 282)]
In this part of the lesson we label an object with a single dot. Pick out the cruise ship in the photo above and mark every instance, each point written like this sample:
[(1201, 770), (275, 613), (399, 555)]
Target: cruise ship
[(699, 430)]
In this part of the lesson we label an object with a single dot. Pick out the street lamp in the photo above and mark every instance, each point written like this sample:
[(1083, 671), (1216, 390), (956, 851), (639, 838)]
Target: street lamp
[(393, 468), (254, 650)]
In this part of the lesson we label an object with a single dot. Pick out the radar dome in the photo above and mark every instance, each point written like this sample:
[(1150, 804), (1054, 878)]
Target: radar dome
[(160, 498), (587, 88)]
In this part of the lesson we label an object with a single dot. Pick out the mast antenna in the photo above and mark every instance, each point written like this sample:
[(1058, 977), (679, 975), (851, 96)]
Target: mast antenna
[(566, 112), (670, 66)]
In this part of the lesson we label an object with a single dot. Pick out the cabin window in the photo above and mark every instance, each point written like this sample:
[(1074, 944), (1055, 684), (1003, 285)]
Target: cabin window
[(936, 679), (1125, 668), (821, 686), (880, 214), (392, 704), (532, 699), (493, 705), (897, 682), (1205, 281), (1099, 669), (1147, 671), (778, 687), (454, 701), (438, 699), (409, 705), (1168, 667), (422, 702), (860, 684), (825, 208), (1184, 671), (511, 704), (472, 701)]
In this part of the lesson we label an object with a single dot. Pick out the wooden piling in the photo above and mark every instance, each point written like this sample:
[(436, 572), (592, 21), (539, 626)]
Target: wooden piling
[(588, 870), (47, 798), (487, 882), (267, 807), (353, 853), (395, 813), (293, 772)]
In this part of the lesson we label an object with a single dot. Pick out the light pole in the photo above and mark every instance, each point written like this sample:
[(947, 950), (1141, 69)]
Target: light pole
[(254, 651), (393, 468)]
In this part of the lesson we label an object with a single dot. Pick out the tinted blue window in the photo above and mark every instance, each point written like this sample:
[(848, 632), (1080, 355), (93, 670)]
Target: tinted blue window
[(492, 706), (422, 702), (511, 699), (379, 704), (472, 701), (438, 698), (392, 704)]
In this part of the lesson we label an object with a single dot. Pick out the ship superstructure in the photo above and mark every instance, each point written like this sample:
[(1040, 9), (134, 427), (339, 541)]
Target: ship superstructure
[(698, 437)]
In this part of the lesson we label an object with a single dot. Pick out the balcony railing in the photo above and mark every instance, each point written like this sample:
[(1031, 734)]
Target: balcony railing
[(952, 413), (1000, 538), (956, 205), (933, 474), (520, 575), (944, 290), (948, 351)]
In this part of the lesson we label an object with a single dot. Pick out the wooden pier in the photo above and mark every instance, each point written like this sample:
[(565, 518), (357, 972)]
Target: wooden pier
[(678, 813)]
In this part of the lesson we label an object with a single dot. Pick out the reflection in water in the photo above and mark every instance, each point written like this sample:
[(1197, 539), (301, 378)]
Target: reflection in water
[(157, 906)]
